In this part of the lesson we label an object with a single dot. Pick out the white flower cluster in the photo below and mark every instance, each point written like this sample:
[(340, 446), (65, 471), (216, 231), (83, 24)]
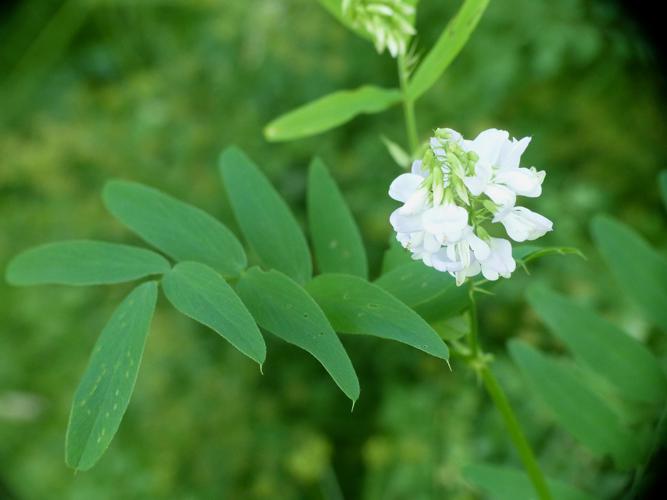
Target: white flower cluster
[(456, 188), (389, 22)]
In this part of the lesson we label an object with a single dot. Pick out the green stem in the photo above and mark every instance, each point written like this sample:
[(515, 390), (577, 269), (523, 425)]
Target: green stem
[(408, 107), (516, 434), (479, 362)]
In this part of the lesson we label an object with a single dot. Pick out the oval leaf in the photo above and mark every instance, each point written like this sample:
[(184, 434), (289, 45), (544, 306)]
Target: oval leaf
[(264, 217), (102, 397), (506, 483), (639, 270), (624, 362), (201, 293), (330, 111), (284, 308), (450, 43), (354, 305), (578, 409), (336, 238), (83, 262), (180, 230)]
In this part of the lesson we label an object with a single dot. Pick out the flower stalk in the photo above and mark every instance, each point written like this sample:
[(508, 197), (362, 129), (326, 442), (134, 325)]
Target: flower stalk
[(408, 106), (473, 354)]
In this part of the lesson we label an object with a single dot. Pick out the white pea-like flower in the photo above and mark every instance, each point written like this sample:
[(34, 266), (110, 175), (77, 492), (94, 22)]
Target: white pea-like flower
[(522, 224), (389, 22), (455, 191)]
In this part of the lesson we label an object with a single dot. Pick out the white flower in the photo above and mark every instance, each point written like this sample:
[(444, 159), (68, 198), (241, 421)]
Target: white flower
[(499, 262), (409, 189), (450, 195), (522, 224), (497, 172), (445, 222)]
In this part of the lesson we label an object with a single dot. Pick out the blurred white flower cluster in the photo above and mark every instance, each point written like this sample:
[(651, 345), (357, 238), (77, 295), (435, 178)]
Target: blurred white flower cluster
[(459, 187), (389, 22)]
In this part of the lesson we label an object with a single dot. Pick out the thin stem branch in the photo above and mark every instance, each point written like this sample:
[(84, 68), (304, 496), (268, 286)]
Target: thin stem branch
[(408, 107), (479, 361)]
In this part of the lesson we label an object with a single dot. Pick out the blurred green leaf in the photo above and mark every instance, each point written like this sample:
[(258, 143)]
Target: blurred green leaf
[(182, 231), (640, 271), (336, 238), (397, 153), (102, 397), (507, 483), (285, 309), (450, 43), (431, 293), (395, 256), (576, 407), (201, 293), (662, 179), (265, 219), (83, 262), (624, 362), (354, 305), (330, 111), (452, 328)]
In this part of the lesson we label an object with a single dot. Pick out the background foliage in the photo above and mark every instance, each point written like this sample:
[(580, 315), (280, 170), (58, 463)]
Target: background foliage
[(152, 91)]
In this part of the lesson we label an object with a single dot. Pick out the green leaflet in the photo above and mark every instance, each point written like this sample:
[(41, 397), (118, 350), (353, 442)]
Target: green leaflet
[(83, 262), (450, 43), (330, 111), (354, 305), (526, 253), (434, 295), (284, 308), (507, 483), (576, 407), (336, 238), (397, 153), (264, 217), (624, 362), (201, 293), (640, 271), (105, 389), (180, 230)]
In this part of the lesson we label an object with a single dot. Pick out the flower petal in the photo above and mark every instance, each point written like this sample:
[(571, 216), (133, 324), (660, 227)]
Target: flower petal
[(488, 145), (403, 187), (510, 155)]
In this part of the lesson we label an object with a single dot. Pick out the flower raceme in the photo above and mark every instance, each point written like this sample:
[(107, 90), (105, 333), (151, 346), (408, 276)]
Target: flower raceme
[(457, 188), (389, 22)]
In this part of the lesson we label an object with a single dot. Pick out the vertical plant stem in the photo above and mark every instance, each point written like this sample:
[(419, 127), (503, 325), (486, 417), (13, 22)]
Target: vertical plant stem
[(408, 107), (479, 362), (516, 434)]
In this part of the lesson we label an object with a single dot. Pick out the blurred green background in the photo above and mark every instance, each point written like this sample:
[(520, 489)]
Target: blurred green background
[(152, 90)]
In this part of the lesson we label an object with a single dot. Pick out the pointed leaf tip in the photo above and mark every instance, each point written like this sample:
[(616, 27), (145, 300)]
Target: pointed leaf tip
[(202, 294), (297, 319)]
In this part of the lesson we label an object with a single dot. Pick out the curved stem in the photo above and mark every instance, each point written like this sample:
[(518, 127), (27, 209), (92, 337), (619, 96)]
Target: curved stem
[(478, 360), (408, 106)]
